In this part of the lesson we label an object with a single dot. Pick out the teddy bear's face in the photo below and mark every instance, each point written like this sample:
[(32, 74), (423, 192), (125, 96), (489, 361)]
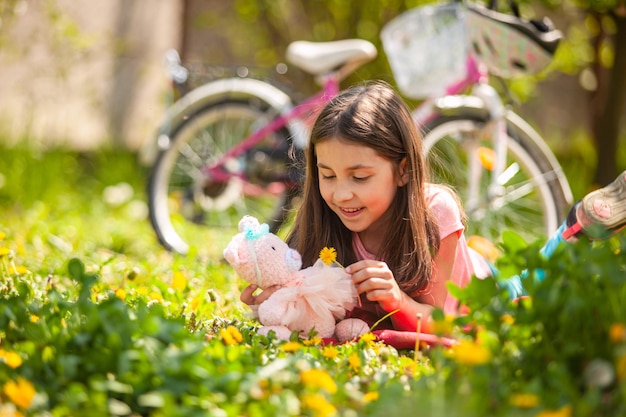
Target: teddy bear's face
[(260, 257)]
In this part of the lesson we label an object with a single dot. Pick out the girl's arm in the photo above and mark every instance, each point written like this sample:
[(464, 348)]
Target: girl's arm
[(375, 279)]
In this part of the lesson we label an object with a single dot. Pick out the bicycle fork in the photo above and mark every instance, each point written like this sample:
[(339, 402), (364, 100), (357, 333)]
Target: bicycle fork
[(494, 161)]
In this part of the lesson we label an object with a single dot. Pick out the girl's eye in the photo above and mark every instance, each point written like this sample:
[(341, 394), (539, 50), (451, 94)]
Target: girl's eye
[(361, 179), (327, 177)]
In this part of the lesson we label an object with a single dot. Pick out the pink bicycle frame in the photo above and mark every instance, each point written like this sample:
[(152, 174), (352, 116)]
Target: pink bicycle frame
[(309, 109), (306, 111)]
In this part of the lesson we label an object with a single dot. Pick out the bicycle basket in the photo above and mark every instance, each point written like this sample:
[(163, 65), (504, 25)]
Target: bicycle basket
[(427, 48)]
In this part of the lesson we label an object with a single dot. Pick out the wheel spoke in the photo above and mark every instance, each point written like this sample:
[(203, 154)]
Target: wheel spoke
[(183, 193), (522, 196)]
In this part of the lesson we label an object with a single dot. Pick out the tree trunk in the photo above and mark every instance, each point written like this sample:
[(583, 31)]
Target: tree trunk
[(609, 108), (187, 27)]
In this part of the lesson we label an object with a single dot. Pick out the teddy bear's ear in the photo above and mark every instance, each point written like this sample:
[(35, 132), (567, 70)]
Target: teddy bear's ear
[(293, 260), (231, 254), (247, 223)]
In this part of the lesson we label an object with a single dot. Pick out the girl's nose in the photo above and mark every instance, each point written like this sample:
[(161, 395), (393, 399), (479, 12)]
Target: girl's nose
[(343, 192)]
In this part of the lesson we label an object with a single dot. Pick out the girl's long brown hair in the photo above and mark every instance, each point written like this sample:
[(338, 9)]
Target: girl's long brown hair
[(372, 115)]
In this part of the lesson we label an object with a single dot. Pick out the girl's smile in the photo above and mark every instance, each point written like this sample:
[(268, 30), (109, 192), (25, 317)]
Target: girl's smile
[(358, 184)]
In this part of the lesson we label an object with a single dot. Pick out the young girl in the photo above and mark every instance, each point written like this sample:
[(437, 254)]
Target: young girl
[(401, 238), (367, 195)]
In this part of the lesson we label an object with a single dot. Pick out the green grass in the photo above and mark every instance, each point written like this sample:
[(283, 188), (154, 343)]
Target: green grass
[(98, 319)]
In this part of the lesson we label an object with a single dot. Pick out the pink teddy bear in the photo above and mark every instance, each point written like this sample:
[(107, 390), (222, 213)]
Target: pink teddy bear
[(315, 298)]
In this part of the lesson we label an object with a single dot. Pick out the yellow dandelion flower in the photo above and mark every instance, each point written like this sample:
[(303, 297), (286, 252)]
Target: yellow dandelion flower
[(318, 404), (290, 346), (20, 392), (4, 251), (354, 361), (320, 379), (120, 293), (507, 319), (445, 326), (565, 411), (195, 303), (524, 400), (34, 318), (410, 367), (2, 235), (12, 359), (487, 157), (312, 341), (179, 281), (328, 255), (470, 353), (19, 270), (156, 296), (617, 332), (143, 290), (330, 352), (368, 338), (483, 246), (370, 396), (231, 335)]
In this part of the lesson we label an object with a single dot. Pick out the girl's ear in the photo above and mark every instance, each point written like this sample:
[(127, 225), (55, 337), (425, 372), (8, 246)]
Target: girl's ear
[(403, 173)]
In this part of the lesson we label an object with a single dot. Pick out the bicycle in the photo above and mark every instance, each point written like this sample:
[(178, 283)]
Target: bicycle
[(232, 146)]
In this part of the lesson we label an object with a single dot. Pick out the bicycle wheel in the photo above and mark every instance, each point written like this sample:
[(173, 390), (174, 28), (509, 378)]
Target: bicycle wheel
[(532, 196), (185, 191)]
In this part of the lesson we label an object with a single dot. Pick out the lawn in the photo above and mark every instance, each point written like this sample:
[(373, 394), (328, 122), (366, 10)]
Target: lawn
[(97, 319)]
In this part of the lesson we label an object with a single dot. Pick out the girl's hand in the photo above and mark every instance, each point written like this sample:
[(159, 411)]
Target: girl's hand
[(375, 279), (247, 295)]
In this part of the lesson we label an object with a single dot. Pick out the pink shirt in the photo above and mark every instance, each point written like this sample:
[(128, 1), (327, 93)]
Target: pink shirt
[(468, 262)]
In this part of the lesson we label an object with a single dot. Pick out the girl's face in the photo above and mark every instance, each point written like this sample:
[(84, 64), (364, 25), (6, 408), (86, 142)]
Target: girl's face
[(357, 183)]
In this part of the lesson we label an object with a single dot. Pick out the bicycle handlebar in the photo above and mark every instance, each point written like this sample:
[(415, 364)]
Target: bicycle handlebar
[(173, 65)]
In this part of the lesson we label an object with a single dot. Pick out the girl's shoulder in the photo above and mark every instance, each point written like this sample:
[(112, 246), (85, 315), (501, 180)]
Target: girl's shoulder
[(440, 193), (444, 202)]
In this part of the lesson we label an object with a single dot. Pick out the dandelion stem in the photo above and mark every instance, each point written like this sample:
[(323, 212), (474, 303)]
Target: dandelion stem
[(418, 331), (383, 318)]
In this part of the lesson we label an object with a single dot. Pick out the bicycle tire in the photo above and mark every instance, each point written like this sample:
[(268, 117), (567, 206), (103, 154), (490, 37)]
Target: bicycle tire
[(182, 197), (536, 194)]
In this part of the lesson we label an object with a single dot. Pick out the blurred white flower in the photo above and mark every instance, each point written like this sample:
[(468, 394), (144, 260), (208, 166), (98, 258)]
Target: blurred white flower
[(599, 373), (116, 195), (137, 210)]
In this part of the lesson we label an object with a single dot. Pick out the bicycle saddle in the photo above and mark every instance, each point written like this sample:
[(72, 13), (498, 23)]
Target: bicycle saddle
[(319, 58)]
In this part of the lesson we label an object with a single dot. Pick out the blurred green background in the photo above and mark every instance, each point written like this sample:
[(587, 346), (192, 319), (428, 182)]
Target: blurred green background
[(84, 88)]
